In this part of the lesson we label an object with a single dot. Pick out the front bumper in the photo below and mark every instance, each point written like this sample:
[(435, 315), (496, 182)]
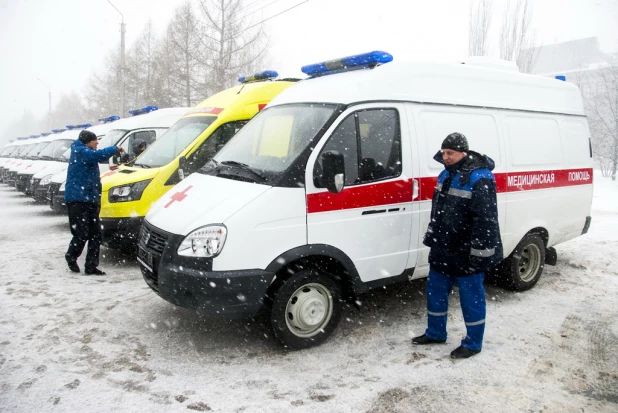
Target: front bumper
[(55, 197), (120, 233), (25, 183), (10, 177), (191, 283), (21, 182), (38, 191)]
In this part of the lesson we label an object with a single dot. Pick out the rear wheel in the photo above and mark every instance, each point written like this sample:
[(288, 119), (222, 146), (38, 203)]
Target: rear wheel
[(523, 268), (305, 309)]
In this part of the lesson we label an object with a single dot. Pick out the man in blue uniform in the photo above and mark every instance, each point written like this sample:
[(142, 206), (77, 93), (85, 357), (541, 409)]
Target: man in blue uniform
[(83, 197), (464, 240)]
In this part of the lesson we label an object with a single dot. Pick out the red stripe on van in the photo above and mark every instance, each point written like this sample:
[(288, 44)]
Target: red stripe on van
[(383, 193), (394, 192), (210, 110), (526, 181)]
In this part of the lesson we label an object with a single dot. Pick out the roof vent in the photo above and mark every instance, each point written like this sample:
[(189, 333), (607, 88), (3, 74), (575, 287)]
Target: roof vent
[(491, 63)]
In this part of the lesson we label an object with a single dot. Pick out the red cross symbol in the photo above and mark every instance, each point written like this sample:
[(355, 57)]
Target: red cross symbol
[(28, 166), (179, 196), (108, 173)]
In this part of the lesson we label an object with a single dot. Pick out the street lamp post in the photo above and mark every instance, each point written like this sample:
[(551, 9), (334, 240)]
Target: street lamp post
[(49, 116), (122, 31)]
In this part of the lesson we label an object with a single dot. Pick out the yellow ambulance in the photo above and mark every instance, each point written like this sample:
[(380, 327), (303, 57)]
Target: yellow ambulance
[(129, 191)]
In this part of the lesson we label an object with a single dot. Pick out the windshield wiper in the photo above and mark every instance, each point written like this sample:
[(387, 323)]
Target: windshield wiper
[(142, 165), (46, 157), (245, 167)]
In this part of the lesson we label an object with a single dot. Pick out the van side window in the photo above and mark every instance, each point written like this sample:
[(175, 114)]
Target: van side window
[(213, 144), (370, 141), (131, 144)]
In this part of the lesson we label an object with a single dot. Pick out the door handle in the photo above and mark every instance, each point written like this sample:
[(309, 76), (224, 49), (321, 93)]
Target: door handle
[(414, 189)]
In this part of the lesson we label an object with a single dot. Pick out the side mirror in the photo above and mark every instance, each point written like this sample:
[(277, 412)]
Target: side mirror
[(182, 166), (333, 175)]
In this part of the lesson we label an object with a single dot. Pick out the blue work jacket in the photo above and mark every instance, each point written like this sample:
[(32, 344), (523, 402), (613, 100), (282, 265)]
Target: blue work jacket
[(83, 180)]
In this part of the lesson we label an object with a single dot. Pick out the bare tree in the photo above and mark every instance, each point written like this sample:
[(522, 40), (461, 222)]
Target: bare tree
[(601, 100), (232, 44), (184, 35), (480, 21), (140, 68), (71, 110), (102, 92), (517, 37)]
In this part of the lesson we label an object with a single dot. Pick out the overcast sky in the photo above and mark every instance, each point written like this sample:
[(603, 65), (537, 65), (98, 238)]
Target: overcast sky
[(63, 41)]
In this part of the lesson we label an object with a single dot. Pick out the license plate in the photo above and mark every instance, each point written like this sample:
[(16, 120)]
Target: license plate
[(145, 257)]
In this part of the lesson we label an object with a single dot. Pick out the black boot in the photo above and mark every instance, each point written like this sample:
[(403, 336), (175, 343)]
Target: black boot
[(422, 340), (95, 271), (73, 266), (463, 353)]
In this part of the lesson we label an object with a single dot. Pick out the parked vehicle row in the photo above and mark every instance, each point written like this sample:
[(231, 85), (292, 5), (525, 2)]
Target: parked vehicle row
[(291, 197)]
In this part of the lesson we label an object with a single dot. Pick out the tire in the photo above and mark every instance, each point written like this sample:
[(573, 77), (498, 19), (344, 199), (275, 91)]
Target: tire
[(523, 268), (304, 309)]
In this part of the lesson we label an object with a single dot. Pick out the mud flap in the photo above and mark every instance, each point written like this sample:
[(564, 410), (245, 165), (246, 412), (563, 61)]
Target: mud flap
[(551, 256)]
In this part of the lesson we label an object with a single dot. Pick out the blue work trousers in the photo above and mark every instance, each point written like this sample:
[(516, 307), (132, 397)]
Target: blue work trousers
[(473, 307)]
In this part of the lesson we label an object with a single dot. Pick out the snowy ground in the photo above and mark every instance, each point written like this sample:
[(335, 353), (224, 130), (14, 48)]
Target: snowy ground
[(70, 343)]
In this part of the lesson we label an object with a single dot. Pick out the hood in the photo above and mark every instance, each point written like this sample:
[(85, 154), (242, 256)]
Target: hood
[(35, 167), (201, 200), (125, 175), (51, 168)]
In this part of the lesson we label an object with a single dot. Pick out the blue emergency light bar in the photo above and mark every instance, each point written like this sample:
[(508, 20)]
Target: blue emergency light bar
[(70, 127), (266, 74), (83, 125), (58, 130), (33, 136), (23, 138), (45, 133), (109, 119), (561, 77), (365, 60), (145, 109)]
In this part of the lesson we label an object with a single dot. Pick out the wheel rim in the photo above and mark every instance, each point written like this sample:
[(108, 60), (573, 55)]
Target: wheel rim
[(529, 262), (309, 310)]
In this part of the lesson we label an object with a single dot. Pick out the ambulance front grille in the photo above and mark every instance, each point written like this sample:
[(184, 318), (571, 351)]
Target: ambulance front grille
[(153, 240)]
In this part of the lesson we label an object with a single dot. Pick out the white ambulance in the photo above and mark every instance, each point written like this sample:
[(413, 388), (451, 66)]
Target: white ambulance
[(326, 193)]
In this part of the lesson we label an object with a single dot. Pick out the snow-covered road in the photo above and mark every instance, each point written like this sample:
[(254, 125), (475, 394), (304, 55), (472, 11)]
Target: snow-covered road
[(71, 343)]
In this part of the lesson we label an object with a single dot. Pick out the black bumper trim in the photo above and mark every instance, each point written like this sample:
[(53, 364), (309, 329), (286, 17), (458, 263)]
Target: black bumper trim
[(120, 232), (191, 283)]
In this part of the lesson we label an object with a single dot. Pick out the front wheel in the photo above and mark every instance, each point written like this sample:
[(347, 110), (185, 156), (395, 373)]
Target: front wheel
[(305, 309), (523, 268)]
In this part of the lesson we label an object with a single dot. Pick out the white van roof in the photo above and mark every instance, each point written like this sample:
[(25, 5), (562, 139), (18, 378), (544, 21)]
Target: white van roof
[(473, 84), (161, 118)]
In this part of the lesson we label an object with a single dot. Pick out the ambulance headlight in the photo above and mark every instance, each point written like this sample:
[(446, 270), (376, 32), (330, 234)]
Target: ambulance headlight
[(63, 186), (125, 193), (45, 180), (206, 241)]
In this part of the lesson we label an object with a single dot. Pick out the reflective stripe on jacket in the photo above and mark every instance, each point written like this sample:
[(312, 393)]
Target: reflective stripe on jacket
[(464, 233)]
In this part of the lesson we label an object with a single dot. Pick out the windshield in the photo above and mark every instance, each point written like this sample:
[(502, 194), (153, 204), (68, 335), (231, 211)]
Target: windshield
[(6, 151), (66, 155), (175, 140), (111, 137), (23, 150), (55, 149), (13, 152), (272, 140), (38, 147)]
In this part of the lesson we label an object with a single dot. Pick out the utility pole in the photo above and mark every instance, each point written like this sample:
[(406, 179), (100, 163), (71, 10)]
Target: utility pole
[(49, 114), (122, 70)]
